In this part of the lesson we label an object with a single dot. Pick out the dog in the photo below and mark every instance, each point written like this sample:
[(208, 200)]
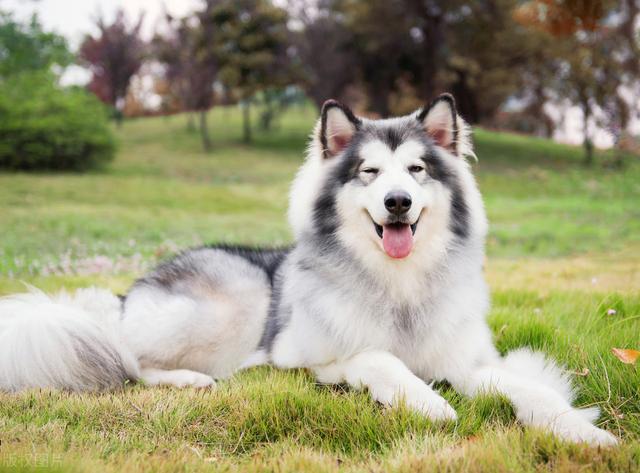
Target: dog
[(383, 290)]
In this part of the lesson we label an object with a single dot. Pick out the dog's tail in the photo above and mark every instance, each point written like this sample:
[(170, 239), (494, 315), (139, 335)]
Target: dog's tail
[(539, 368), (66, 341)]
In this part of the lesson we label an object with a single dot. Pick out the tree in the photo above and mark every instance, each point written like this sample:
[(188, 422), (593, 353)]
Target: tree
[(384, 44), (113, 57), (594, 56), (428, 30), (44, 125), (27, 47), (190, 67), (418, 48), (324, 46), (251, 46)]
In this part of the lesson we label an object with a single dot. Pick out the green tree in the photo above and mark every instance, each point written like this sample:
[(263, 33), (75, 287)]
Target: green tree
[(190, 67), (26, 47), (43, 125), (46, 127), (251, 47)]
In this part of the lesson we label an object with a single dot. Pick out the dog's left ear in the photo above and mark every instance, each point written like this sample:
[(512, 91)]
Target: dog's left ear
[(440, 121), (337, 127)]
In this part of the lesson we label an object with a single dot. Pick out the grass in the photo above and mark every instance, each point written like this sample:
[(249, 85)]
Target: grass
[(563, 253)]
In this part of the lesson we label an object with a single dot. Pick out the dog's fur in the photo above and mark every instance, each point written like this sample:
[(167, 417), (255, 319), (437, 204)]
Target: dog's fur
[(345, 302)]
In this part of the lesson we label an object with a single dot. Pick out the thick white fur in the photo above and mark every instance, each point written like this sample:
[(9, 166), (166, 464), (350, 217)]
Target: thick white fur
[(64, 341), (389, 382), (453, 341), (210, 332), (340, 321)]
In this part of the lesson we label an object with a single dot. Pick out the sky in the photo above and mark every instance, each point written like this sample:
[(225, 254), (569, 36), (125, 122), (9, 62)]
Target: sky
[(74, 18)]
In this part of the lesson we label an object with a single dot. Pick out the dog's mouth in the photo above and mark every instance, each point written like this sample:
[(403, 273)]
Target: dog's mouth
[(397, 238)]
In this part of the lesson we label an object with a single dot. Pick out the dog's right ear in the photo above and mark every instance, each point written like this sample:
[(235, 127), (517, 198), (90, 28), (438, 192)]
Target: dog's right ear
[(338, 125)]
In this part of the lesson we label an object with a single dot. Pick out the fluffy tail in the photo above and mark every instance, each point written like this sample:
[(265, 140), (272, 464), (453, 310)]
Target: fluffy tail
[(66, 341)]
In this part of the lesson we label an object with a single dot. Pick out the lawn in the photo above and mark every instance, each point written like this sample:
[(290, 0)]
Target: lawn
[(563, 263)]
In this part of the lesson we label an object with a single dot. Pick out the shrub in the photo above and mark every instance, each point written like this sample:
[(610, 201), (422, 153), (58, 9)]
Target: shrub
[(47, 127)]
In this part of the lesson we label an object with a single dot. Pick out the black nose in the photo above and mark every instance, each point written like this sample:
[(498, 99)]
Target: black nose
[(397, 202)]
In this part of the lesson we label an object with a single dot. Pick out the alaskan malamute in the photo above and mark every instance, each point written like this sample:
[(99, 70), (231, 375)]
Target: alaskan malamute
[(383, 290)]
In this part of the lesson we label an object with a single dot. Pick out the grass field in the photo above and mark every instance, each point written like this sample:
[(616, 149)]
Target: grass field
[(564, 266)]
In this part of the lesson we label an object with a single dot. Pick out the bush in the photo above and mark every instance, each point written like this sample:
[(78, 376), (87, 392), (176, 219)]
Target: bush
[(46, 127)]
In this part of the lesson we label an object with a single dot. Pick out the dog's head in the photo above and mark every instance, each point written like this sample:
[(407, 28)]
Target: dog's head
[(392, 185)]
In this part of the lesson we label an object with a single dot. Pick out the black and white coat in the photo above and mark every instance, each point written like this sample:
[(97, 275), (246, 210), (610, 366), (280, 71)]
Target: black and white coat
[(348, 301)]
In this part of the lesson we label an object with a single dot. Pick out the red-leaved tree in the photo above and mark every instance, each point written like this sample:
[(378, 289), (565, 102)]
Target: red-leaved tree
[(113, 57), (190, 69)]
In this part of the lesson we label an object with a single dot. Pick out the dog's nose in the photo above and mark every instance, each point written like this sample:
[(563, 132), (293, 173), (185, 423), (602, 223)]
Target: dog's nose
[(397, 202)]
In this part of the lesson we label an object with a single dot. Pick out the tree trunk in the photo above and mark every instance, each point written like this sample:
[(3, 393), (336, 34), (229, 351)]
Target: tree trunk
[(204, 131), (246, 122), (379, 99), (588, 152), (466, 101), (118, 117), (191, 124), (118, 111), (549, 125), (587, 143), (266, 117)]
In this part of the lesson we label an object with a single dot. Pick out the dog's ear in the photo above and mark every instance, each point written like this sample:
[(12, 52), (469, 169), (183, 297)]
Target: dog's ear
[(440, 121), (338, 125)]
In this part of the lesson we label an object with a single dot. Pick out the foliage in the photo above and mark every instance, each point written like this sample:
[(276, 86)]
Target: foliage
[(242, 46), (389, 57), (190, 68), (189, 74), (113, 57), (407, 48), (43, 126), (325, 49), (402, 52), (590, 58), (28, 47), (251, 46)]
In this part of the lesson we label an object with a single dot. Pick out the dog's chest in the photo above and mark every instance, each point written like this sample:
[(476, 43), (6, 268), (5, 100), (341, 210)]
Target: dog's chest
[(421, 332), (377, 321), (336, 315)]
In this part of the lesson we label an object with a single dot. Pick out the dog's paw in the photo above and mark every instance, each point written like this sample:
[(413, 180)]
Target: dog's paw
[(177, 378), (574, 428), (422, 399), (192, 379)]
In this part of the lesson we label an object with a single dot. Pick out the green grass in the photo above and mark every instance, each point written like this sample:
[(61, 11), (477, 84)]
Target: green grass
[(563, 250)]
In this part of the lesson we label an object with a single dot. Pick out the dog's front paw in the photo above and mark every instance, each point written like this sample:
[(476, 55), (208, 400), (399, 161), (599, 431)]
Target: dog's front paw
[(196, 380), (574, 428), (422, 399), (177, 378)]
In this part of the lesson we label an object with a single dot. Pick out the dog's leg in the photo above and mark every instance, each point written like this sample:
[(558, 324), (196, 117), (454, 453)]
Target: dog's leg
[(389, 381), (538, 401), (178, 378)]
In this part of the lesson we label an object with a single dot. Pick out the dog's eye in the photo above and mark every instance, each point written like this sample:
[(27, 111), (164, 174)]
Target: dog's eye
[(372, 171), (416, 168)]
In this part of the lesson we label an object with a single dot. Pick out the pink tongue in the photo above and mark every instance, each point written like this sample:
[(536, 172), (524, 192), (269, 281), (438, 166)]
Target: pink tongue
[(397, 240)]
